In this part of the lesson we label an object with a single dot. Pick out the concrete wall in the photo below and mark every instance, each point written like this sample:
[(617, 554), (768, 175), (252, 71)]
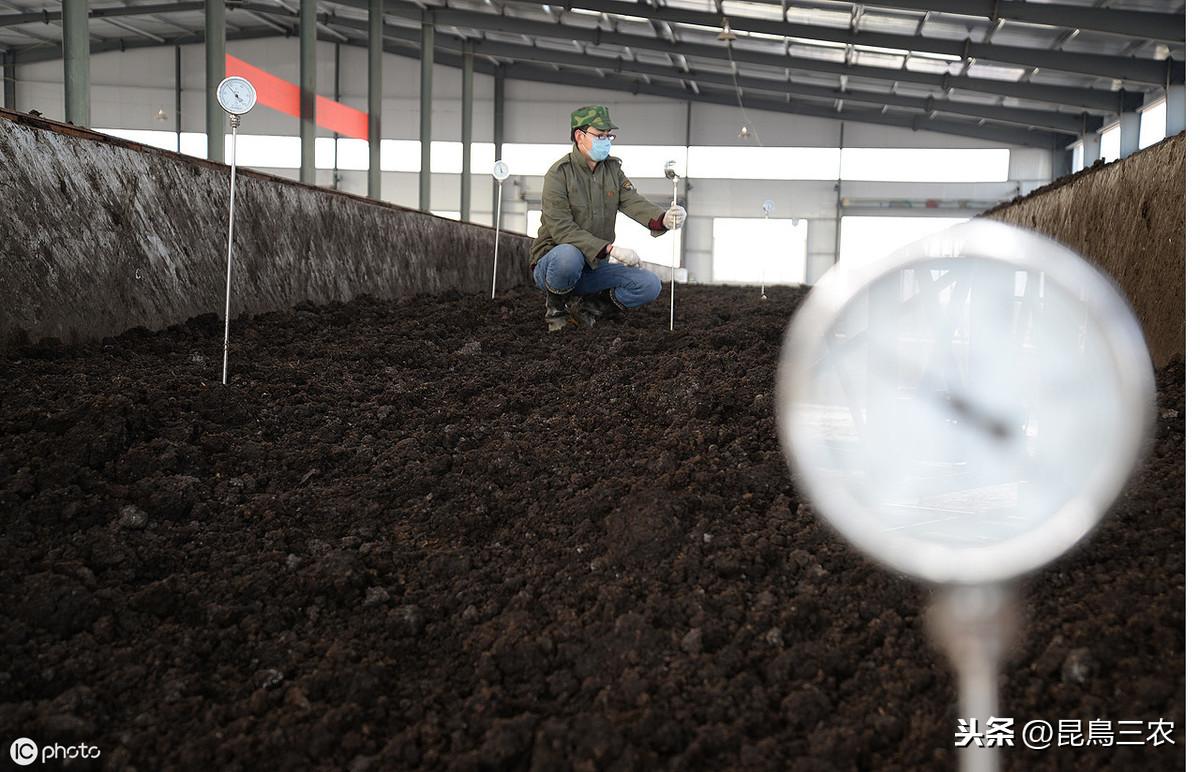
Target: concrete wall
[(1127, 218), (100, 235)]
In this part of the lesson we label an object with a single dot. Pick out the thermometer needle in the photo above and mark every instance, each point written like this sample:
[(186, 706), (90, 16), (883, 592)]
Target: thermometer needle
[(998, 429)]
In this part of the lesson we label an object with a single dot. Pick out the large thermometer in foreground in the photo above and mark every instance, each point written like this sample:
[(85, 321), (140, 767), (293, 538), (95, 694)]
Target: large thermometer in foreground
[(965, 411)]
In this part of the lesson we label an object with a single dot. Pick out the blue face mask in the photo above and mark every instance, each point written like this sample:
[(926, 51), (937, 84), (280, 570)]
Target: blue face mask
[(600, 148)]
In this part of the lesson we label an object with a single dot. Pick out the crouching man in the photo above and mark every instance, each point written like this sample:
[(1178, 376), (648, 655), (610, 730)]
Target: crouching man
[(584, 275)]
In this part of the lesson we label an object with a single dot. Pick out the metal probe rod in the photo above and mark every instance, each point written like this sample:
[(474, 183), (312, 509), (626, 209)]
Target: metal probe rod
[(675, 261), (974, 626), (763, 260), (496, 259), (234, 122)]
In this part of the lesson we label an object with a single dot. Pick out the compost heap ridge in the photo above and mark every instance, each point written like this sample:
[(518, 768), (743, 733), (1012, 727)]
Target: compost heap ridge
[(107, 235), (428, 534)]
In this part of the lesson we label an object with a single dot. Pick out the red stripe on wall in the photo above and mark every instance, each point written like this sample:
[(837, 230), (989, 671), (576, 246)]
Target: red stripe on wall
[(284, 96)]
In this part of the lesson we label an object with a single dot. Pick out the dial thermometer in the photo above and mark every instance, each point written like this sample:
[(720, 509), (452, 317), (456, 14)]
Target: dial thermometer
[(500, 173), (236, 96), (965, 411)]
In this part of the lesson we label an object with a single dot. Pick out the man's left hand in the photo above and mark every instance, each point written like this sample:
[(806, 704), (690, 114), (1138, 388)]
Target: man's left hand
[(674, 217)]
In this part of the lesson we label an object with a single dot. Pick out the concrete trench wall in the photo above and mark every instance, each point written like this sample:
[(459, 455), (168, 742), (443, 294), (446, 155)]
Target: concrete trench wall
[(1127, 218), (99, 235)]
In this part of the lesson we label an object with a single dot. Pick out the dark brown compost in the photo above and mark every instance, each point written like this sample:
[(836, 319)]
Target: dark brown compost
[(426, 534)]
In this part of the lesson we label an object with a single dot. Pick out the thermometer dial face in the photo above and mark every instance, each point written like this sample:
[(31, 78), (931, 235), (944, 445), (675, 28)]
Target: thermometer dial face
[(500, 171), (966, 410), (768, 207), (236, 95)]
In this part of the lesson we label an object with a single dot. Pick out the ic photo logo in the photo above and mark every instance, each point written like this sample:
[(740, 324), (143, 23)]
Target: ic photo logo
[(23, 751)]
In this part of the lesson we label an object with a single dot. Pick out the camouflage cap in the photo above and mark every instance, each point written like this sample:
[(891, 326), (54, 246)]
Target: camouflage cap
[(592, 115)]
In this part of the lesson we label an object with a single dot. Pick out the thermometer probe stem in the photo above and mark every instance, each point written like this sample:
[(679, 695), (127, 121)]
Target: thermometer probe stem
[(234, 122)]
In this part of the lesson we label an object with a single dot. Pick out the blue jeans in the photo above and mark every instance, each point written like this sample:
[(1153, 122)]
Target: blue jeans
[(563, 269)]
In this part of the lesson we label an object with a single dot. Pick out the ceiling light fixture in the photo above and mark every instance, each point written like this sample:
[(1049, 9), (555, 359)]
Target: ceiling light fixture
[(726, 34)]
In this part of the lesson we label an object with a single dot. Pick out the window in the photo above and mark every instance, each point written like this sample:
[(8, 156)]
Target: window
[(530, 159), (763, 163), (924, 164), (752, 250), (162, 139), (652, 249), (638, 161), (1154, 124), (1077, 157), (1110, 143), (647, 161), (866, 239), (451, 214)]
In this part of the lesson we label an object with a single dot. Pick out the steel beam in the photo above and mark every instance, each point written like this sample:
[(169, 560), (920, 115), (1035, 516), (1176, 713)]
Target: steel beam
[(1004, 134), (1061, 121), (500, 74), (375, 99), (44, 17), (214, 73), (468, 109), (1154, 25), (76, 63), (1092, 99), (426, 177), (308, 91), (1126, 68), (1007, 135)]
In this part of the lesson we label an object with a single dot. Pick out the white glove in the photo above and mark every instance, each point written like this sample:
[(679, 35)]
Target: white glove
[(625, 256), (674, 217)]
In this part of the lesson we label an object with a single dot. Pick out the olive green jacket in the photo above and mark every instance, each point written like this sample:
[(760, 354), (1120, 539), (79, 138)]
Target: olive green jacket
[(579, 206)]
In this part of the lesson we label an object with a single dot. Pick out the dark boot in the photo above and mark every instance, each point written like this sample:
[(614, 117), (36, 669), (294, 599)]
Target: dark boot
[(557, 315), (593, 308)]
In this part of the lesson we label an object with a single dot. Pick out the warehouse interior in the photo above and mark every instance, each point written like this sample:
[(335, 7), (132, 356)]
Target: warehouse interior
[(298, 472), (888, 112)]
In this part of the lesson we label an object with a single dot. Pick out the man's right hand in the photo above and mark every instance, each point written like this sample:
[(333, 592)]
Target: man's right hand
[(625, 256)]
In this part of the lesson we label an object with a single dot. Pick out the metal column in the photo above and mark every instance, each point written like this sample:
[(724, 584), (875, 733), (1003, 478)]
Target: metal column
[(76, 61), (374, 97), (1091, 148), (1060, 163), (178, 99), (337, 97), (1131, 132), (426, 177), (10, 81), (1176, 107), (468, 103), (214, 73), (308, 91), (497, 132)]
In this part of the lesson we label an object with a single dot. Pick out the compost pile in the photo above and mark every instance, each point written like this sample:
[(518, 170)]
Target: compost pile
[(426, 533)]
